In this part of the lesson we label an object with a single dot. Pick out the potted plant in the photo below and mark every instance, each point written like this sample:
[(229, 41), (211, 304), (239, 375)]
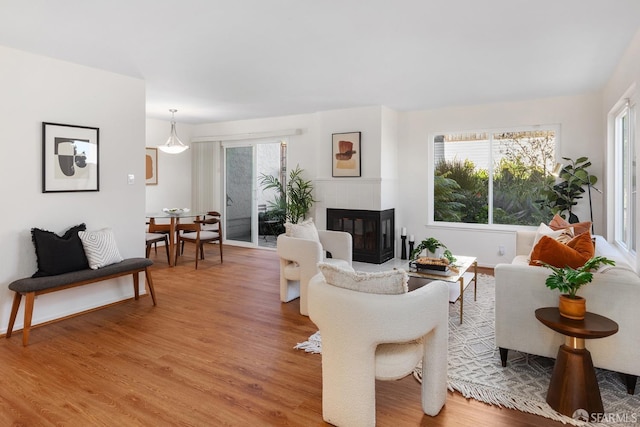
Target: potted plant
[(295, 198), (432, 244), (562, 196), (568, 281)]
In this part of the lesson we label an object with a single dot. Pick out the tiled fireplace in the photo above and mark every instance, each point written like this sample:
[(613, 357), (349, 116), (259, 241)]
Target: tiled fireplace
[(372, 232)]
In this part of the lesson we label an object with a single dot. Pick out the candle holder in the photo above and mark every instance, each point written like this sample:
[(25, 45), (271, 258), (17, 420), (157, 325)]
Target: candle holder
[(404, 247), (411, 243)]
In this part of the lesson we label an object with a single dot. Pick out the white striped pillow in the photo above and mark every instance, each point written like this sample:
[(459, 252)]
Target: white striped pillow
[(100, 247)]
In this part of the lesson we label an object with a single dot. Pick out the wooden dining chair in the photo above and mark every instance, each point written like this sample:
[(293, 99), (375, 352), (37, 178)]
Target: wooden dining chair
[(207, 230), (155, 234), (214, 214), (153, 227), (153, 239)]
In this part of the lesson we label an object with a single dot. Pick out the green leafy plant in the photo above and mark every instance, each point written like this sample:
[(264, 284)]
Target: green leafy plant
[(295, 200), (447, 198), (431, 244), (563, 196), (568, 280)]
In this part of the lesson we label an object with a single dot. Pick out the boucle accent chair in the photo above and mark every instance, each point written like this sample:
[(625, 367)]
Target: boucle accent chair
[(368, 336), (299, 258)]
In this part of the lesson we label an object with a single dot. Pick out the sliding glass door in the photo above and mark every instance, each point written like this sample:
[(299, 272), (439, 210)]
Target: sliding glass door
[(247, 205), (239, 193)]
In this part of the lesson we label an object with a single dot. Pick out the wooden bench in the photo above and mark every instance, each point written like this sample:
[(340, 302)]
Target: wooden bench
[(33, 286)]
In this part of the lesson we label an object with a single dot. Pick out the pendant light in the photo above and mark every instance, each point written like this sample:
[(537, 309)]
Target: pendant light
[(173, 144)]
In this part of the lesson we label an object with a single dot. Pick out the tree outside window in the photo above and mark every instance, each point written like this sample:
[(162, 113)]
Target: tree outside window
[(493, 177)]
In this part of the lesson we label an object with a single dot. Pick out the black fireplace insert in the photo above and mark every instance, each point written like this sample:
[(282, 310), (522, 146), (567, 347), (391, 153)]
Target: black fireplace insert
[(372, 232)]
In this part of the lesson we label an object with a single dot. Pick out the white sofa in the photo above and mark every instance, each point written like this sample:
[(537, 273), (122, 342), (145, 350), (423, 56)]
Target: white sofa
[(614, 293)]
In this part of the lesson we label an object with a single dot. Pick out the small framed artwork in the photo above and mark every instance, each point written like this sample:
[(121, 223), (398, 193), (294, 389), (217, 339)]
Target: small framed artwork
[(151, 166), (70, 158), (346, 154)]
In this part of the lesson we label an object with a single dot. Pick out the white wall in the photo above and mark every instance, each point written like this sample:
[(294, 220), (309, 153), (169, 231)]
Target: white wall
[(38, 89), (389, 159), (626, 73), (395, 159), (174, 170), (300, 148), (312, 151), (362, 192), (581, 134)]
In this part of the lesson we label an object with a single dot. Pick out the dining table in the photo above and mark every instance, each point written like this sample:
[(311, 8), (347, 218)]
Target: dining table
[(171, 227)]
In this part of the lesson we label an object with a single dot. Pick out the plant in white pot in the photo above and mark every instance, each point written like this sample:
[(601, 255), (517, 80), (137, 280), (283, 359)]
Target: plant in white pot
[(432, 244), (569, 280)]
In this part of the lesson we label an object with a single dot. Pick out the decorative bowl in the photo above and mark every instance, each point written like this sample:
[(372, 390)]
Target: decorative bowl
[(175, 211)]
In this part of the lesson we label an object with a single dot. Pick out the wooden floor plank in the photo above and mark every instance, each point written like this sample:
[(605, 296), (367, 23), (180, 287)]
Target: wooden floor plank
[(216, 350)]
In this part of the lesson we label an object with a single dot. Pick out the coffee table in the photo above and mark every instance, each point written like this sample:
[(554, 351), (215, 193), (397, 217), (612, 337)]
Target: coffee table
[(467, 272)]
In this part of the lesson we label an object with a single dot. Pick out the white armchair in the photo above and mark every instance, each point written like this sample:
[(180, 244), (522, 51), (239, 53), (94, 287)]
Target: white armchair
[(369, 336), (299, 260)]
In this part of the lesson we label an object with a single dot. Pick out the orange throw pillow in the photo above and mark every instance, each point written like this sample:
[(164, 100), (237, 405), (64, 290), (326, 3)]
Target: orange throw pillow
[(558, 223), (583, 245), (574, 254)]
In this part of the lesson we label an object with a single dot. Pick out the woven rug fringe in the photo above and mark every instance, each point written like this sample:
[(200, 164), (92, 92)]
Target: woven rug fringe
[(313, 345), (510, 401)]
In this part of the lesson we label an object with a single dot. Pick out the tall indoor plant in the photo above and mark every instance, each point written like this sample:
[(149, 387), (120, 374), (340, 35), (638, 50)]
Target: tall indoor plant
[(569, 280), (563, 195), (295, 198)]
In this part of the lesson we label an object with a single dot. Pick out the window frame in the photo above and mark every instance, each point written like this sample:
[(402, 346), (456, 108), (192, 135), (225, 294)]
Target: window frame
[(556, 127), (624, 232)]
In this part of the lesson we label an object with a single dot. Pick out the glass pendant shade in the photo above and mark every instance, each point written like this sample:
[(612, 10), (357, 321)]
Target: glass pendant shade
[(173, 144)]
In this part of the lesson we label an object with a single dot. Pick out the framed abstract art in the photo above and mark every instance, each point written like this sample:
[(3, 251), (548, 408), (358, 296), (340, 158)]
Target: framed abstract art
[(70, 158), (151, 166), (346, 154)]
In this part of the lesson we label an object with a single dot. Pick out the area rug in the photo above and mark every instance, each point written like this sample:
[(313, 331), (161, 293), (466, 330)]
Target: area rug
[(475, 371)]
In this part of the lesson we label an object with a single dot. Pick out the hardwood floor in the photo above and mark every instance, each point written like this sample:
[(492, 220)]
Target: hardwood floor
[(217, 350)]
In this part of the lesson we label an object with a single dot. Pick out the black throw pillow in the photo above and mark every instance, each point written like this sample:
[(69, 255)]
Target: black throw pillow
[(59, 254)]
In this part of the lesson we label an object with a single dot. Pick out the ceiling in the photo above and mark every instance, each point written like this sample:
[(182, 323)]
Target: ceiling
[(219, 60)]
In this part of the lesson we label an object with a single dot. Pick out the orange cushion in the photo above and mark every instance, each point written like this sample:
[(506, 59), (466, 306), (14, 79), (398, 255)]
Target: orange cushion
[(583, 244), (574, 254), (558, 223)]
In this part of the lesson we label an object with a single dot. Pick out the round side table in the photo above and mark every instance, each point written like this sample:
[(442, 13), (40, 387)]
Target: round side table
[(573, 383)]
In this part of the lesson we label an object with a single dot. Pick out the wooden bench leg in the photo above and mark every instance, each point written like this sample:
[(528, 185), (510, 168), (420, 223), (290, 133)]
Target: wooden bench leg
[(152, 291), (136, 285), (28, 313), (14, 312)]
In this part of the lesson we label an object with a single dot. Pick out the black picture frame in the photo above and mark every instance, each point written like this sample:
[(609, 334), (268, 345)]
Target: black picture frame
[(70, 158), (346, 154)]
